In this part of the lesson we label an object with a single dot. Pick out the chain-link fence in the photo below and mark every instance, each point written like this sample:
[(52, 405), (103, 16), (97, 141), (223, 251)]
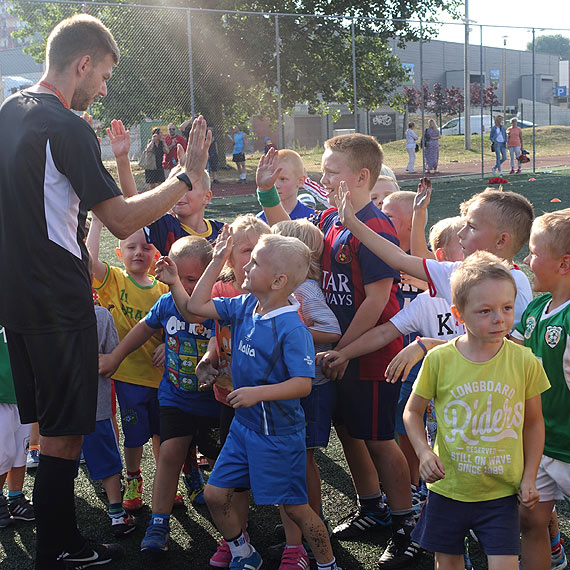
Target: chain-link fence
[(300, 79)]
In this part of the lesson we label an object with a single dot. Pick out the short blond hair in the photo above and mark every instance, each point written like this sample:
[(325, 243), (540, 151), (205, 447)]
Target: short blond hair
[(77, 36), (363, 151), (441, 232), (478, 266), (310, 235), (406, 197), (389, 180), (253, 228), (513, 213), (290, 256), (555, 227), (293, 159), (194, 247)]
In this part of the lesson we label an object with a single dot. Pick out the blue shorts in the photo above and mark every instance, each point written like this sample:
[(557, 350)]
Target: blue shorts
[(272, 466), (318, 407), (140, 416), (101, 451), (405, 392), (444, 523)]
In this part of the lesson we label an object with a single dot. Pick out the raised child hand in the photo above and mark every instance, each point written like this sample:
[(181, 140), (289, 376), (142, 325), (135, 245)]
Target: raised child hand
[(196, 157), (166, 270), (223, 245), (403, 362), (120, 138), (267, 170), (344, 205), (243, 397), (423, 197)]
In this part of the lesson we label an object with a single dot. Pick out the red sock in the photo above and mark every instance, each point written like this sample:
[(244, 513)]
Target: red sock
[(134, 474)]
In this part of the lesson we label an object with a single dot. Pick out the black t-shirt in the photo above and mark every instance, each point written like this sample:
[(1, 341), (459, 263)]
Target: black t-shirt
[(50, 175)]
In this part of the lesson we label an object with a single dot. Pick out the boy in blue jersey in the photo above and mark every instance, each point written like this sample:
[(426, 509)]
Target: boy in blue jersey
[(272, 368), (186, 413)]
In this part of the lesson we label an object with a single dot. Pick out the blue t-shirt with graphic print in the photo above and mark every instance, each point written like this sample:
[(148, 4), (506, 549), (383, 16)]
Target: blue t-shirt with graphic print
[(185, 345), (268, 349)]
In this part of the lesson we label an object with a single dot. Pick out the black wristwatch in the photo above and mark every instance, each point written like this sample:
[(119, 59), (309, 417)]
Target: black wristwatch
[(184, 177)]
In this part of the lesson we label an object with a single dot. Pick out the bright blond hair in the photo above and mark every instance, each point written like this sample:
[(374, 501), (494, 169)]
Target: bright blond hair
[(441, 232), (193, 247), (310, 235), (293, 159), (554, 227)]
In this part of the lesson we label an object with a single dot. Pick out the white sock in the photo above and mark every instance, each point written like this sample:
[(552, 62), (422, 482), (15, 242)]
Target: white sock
[(328, 565), (242, 176), (240, 547)]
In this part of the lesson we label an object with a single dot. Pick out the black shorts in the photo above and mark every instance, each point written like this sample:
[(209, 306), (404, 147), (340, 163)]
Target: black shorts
[(204, 430), (55, 377), (239, 157), (366, 407), (154, 176)]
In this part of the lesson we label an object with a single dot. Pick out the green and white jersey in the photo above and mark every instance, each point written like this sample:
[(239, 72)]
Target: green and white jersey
[(7, 394), (547, 334)]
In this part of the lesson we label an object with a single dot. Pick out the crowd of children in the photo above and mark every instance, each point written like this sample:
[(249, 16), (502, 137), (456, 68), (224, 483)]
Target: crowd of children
[(254, 339)]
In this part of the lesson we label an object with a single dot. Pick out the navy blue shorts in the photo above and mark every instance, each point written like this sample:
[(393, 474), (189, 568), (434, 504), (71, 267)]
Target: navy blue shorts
[(101, 451), (272, 466), (318, 407), (140, 416), (367, 408), (444, 523)]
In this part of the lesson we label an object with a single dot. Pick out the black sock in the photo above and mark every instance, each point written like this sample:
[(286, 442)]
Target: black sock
[(403, 519), (369, 502), (54, 507)]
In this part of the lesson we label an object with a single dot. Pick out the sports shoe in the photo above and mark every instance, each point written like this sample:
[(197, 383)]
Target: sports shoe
[(222, 557), (294, 558), (132, 497), (400, 550), (360, 521), (251, 562), (558, 561), (178, 500), (33, 459), (5, 517), (512, 171), (518, 170), (494, 170), (92, 555), (121, 526), (22, 509), (194, 483), (155, 538)]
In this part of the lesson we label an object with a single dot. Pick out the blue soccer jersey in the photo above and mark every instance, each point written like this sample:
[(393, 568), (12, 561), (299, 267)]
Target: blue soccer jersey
[(347, 267), (268, 349), (167, 229), (299, 211), (185, 345)]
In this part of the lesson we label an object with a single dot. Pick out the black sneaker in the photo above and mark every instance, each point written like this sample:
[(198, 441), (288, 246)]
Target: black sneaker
[(22, 509), (360, 521), (123, 525), (5, 516), (400, 551), (92, 555)]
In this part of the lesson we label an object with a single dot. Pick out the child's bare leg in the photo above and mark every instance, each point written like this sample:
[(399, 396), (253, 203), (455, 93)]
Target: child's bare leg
[(241, 505), (535, 544), (3, 480), (155, 447), (112, 487), (503, 562), (313, 530), (411, 458), (133, 456), (448, 561), (16, 478), (293, 534), (221, 503), (313, 482), (170, 460)]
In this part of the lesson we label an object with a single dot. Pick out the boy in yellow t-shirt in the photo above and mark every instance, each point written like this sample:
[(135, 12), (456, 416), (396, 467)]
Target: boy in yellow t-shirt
[(490, 437), (129, 294)]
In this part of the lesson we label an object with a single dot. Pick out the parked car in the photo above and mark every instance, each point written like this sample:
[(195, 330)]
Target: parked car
[(452, 126), (523, 124)]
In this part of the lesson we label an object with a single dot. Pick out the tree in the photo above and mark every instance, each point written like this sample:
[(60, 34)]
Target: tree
[(453, 100), (556, 44), (489, 96), (234, 57)]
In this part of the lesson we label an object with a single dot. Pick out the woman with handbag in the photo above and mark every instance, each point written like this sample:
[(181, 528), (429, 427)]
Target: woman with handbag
[(498, 138), (431, 147), (515, 144), (155, 149), (411, 144)]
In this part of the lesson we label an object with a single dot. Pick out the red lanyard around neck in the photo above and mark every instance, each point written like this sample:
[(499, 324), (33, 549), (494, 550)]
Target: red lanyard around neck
[(56, 91)]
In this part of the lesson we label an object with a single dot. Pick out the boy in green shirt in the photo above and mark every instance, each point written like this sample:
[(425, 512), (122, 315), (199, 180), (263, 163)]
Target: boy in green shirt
[(545, 328), (490, 435)]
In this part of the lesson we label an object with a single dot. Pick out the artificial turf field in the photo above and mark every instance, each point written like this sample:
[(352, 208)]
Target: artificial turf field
[(193, 537)]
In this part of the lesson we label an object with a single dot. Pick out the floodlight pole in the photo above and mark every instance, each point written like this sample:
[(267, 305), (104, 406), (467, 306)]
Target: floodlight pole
[(422, 100), (533, 103), (467, 83), (190, 64), (278, 62), (354, 76), (505, 77)]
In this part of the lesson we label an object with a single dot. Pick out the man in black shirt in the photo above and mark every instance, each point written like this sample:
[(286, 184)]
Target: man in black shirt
[(51, 174)]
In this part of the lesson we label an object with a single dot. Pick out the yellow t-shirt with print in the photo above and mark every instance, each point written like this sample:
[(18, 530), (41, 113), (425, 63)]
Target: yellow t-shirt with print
[(480, 410), (129, 302)]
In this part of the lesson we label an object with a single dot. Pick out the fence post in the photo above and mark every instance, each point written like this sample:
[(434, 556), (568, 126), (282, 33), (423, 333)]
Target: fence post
[(549, 114), (422, 99), (522, 111), (190, 63), (278, 56), (533, 104), (354, 75), (482, 102)]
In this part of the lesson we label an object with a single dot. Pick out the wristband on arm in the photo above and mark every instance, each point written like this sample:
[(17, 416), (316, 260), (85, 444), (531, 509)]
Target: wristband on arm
[(421, 345), (268, 198)]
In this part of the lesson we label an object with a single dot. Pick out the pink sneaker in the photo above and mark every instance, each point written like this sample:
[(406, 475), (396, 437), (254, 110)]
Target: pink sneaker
[(222, 557), (294, 558)]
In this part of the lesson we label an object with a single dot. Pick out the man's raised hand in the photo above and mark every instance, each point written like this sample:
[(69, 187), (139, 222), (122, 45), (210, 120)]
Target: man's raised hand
[(196, 158)]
